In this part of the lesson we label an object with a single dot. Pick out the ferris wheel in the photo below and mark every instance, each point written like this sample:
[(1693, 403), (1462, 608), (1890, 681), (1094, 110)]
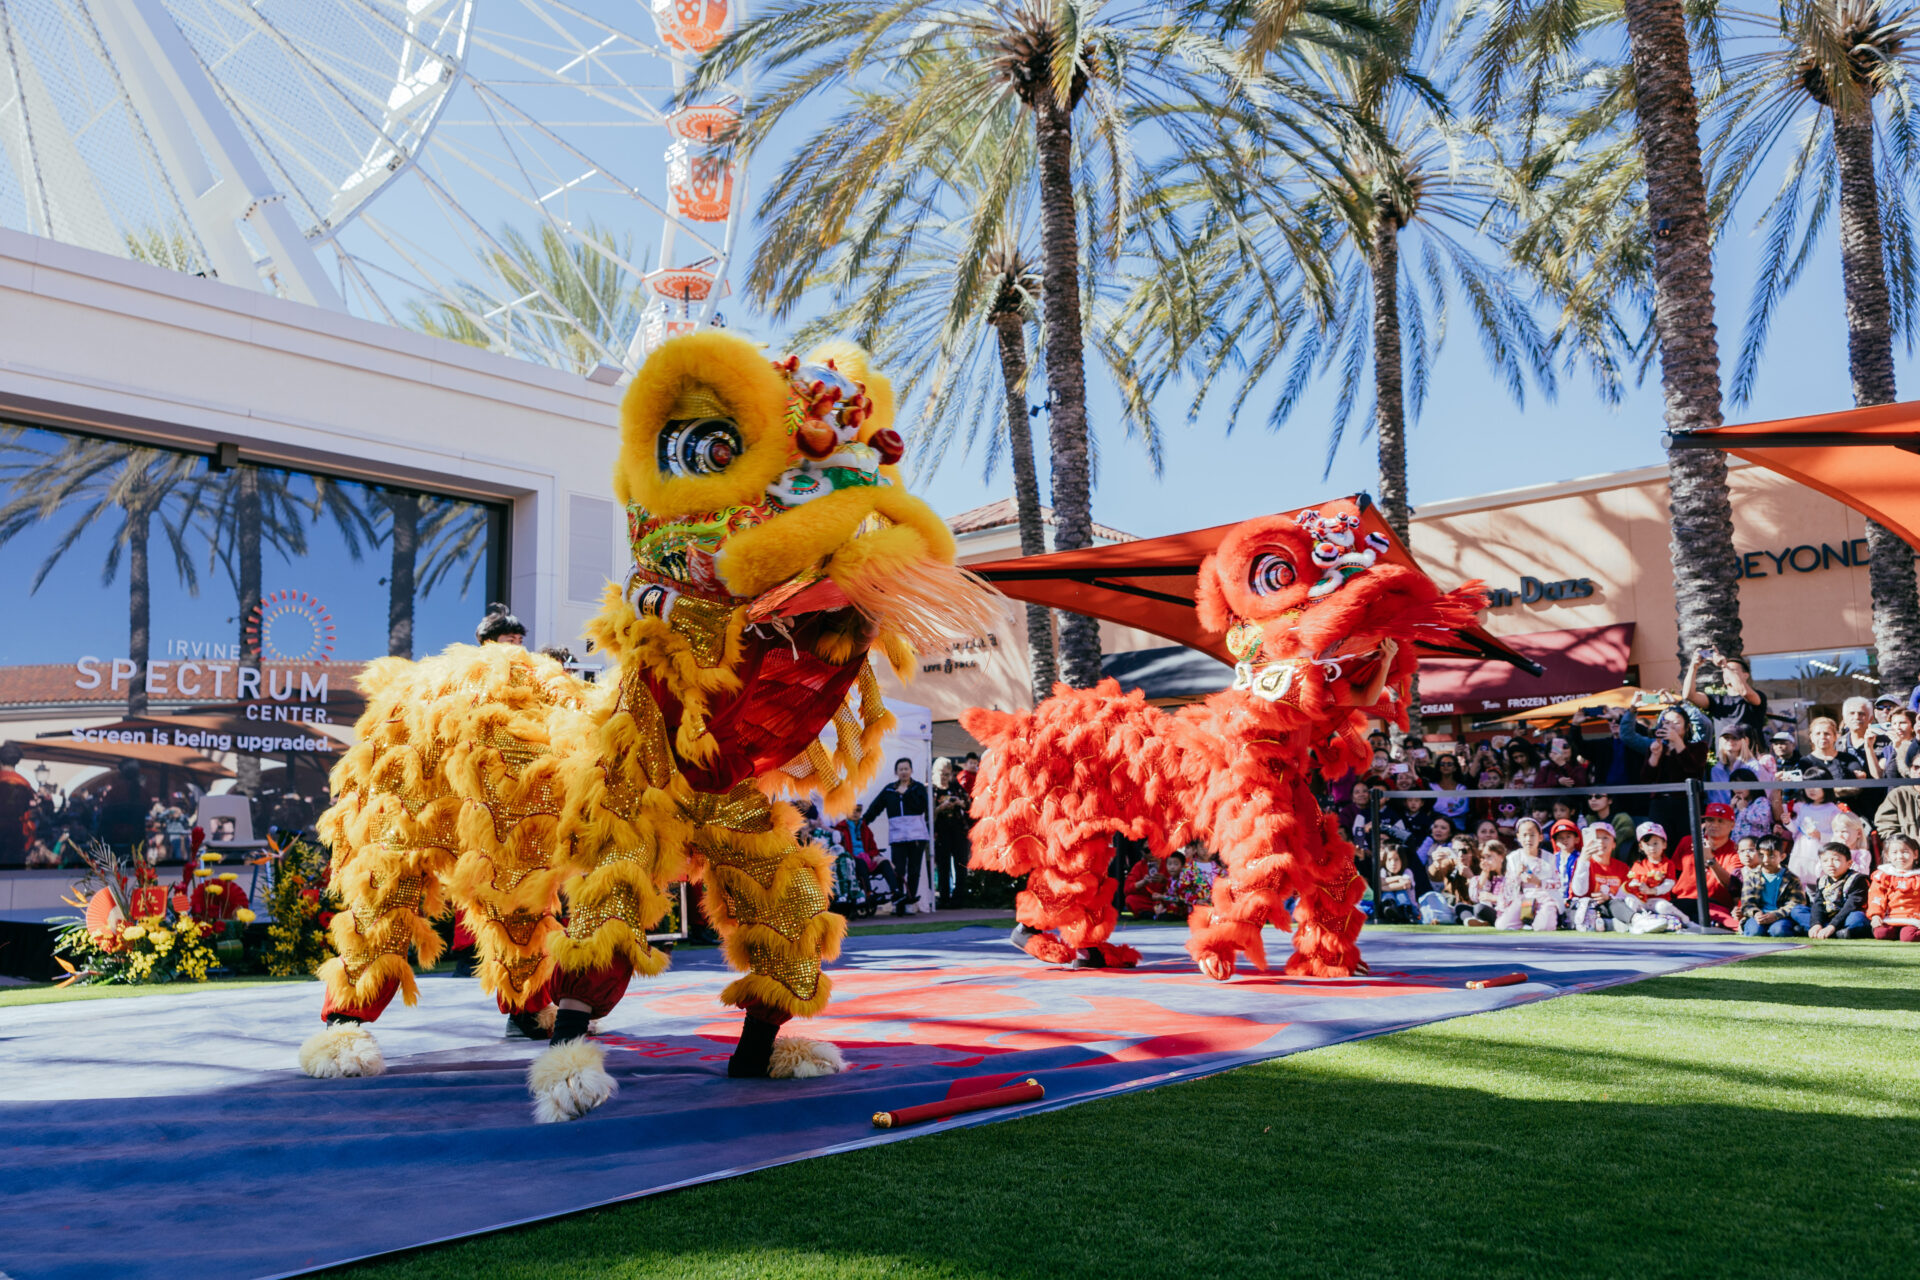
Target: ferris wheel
[(503, 171)]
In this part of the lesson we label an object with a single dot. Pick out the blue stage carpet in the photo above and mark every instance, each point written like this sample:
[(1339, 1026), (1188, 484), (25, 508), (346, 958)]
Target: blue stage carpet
[(173, 1136)]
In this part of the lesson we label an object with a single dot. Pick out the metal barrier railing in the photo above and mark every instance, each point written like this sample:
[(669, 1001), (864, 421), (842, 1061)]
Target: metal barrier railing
[(1695, 789)]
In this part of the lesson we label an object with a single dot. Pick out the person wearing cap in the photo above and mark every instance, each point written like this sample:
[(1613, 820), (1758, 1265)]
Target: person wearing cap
[(1741, 703), (500, 627), (1650, 884), (1783, 751), (1596, 892), (1564, 837), (1735, 752), (1720, 866), (1600, 809)]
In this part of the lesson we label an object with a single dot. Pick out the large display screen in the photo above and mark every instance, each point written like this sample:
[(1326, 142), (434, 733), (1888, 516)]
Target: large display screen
[(179, 629)]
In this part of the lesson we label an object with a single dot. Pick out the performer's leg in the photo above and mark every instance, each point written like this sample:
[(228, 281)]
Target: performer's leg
[(391, 896), (1326, 916), (611, 906), (768, 898), (1066, 912)]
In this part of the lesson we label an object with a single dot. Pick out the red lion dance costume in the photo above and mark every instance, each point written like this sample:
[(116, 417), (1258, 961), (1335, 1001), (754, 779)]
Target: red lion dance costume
[(1323, 634), (774, 552)]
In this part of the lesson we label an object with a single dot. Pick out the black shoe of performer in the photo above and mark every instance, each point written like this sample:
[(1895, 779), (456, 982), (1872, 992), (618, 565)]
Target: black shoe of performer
[(754, 1052), (570, 1024), (1020, 934), (1090, 958), (525, 1026), (343, 1019)]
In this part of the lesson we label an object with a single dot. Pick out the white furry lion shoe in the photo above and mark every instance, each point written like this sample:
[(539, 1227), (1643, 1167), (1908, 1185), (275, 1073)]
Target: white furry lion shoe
[(569, 1080), (342, 1049), (798, 1058)]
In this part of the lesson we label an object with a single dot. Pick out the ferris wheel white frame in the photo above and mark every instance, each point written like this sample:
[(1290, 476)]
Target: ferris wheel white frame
[(190, 117)]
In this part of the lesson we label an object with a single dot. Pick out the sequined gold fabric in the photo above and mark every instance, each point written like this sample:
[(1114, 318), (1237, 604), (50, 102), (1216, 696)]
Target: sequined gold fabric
[(619, 903), (382, 922), (655, 756), (703, 625), (800, 976), (745, 809), (789, 914)]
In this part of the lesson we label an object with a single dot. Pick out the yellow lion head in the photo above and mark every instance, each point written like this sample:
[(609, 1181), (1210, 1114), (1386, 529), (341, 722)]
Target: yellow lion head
[(744, 477)]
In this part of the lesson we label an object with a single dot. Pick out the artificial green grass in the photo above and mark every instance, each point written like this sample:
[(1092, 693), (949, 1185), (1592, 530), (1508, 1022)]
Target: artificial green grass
[(1756, 1119)]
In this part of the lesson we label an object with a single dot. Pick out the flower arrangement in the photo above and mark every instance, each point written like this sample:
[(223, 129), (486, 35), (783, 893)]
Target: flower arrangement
[(302, 905), (129, 931)]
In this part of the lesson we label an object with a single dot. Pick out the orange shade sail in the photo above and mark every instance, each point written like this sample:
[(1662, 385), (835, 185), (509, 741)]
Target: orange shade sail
[(1868, 459), (1149, 584)]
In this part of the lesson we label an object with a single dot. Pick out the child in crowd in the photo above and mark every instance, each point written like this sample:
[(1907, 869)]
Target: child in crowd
[(1565, 838), (1487, 891), (1850, 829), (1597, 881), (1193, 886), (1893, 903), (1749, 851), (1773, 902), (1532, 887), (1838, 904), (1439, 832), (1810, 819), (1397, 905), (1752, 810), (1442, 903), (1650, 881)]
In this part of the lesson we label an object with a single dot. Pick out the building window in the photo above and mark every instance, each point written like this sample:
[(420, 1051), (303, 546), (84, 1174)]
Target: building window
[(1814, 682), (207, 618)]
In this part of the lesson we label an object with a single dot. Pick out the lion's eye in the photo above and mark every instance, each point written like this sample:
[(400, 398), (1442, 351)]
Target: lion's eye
[(698, 446), (1270, 572)]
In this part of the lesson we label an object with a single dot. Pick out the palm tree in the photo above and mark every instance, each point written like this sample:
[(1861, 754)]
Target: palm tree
[(1135, 76), (550, 292), (1401, 221), (428, 538), (945, 291), (1815, 77), (1526, 52), (102, 480)]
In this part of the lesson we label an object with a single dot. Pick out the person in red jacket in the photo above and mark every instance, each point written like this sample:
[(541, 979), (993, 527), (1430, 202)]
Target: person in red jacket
[(1722, 869), (1893, 902)]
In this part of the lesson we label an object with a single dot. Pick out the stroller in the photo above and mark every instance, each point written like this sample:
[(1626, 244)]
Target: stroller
[(863, 880)]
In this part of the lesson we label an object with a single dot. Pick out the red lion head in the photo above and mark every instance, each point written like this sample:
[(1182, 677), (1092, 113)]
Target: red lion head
[(1309, 600)]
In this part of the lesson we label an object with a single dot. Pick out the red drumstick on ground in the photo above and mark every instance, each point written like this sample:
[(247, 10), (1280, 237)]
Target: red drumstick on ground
[(1005, 1096), (1504, 980)]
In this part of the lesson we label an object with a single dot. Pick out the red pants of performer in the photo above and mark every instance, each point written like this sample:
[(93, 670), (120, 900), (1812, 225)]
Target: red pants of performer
[(599, 989)]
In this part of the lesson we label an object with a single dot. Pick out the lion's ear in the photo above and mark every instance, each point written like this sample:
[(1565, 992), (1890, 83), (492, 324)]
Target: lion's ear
[(709, 373), (854, 361)]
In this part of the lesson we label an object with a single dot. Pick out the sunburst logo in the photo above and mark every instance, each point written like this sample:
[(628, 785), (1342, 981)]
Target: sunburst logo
[(290, 626)]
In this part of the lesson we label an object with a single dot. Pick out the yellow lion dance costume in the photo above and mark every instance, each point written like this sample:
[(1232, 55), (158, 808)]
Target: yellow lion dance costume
[(774, 550)]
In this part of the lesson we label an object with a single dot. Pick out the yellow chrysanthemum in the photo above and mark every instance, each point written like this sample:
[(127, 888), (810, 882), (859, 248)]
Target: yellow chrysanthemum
[(244, 916)]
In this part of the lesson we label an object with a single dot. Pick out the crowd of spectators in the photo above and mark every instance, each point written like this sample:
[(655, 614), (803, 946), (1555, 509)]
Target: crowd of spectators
[(1826, 858)]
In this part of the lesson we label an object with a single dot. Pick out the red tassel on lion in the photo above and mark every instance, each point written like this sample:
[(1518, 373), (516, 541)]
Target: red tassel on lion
[(1321, 612)]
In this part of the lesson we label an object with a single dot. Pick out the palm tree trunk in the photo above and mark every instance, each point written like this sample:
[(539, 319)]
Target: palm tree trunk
[(1390, 403), (405, 510), (247, 532), (139, 606), (1026, 492), (1389, 400), (1896, 601), (1705, 569), (1066, 374)]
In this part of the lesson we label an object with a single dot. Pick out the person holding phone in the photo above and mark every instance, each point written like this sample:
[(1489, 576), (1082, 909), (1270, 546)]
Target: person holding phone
[(1740, 703)]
